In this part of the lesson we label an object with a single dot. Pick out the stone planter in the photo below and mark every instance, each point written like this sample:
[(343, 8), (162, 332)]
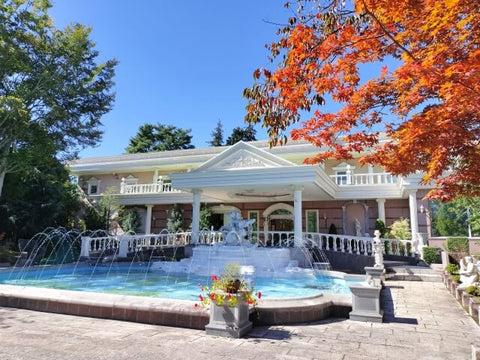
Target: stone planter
[(474, 309), (466, 300), (458, 294), (229, 321)]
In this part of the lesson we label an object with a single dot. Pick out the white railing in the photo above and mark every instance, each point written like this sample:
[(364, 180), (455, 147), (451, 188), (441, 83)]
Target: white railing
[(147, 188), (124, 244), (357, 244), (364, 179)]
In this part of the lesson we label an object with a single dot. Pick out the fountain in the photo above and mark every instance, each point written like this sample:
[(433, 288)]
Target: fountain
[(237, 248)]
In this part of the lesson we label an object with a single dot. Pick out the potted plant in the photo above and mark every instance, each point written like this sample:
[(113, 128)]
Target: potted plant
[(230, 298)]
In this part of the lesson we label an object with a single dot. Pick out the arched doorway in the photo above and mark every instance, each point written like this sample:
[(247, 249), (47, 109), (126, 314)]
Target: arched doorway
[(278, 217)]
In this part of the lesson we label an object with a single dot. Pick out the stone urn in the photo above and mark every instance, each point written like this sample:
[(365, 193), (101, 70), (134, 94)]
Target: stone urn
[(227, 320)]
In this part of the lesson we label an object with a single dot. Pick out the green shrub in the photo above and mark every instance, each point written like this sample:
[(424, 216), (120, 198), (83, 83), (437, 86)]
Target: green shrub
[(451, 269), (380, 226), (400, 229), (431, 255), (473, 290), (457, 245), (456, 279)]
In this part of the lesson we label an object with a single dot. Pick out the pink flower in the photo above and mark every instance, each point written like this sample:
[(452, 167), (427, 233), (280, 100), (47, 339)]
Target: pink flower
[(196, 305), (259, 294), (200, 297)]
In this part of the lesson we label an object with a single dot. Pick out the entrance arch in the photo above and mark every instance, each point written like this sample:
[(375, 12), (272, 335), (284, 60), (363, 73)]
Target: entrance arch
[(278, 217)]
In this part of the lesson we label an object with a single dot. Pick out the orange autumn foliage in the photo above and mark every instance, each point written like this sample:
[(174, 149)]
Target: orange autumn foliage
[(433, 95)]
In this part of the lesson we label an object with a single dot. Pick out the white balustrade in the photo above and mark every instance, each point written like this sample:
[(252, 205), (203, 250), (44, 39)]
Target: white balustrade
[(359, 245), (135, 189), (364, 179), (350, 244)]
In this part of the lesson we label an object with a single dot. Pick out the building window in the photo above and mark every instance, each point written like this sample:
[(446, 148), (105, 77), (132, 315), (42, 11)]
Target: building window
[(312, 220), (341, 177), (93, 187), (344, 174)]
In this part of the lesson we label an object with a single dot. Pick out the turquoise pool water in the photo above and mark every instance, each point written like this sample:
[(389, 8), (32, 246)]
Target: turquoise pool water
[(137, 280)]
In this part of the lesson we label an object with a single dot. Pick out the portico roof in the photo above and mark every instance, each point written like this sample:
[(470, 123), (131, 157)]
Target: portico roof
[(248, 174)]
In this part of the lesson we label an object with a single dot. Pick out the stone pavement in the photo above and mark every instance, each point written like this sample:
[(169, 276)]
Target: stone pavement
[(423, 321)]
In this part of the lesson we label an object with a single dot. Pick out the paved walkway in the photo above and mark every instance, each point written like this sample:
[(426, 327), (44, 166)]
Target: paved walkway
[(427, 323)]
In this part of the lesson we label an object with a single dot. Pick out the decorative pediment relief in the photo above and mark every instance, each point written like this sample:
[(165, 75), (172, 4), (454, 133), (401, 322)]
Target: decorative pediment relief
[(243, 156), (243, 159)]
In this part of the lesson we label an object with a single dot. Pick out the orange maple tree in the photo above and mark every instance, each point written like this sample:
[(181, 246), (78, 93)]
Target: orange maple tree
[(433, 96)]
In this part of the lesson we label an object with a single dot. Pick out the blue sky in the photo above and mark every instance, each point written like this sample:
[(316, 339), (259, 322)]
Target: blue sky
[(181, 63)]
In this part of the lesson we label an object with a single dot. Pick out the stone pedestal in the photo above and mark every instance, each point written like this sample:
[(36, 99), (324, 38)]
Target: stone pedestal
[(375, 275), (366, 303), (229, 321)]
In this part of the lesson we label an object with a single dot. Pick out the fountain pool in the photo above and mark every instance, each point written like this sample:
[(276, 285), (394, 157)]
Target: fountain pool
[(138, 280)]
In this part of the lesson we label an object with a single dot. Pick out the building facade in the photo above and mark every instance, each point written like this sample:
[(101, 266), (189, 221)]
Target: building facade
[(270, 185)]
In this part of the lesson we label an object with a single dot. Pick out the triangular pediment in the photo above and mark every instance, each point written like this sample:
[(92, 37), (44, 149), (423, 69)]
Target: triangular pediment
[(243, 156)]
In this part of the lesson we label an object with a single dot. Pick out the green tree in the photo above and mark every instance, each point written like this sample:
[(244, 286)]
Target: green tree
[(51, 85), (37, 197), (205, 218), (242, 134), (454, 217), (159, 137), (129, 220), (110, 207), (175, 219), (217, 135)]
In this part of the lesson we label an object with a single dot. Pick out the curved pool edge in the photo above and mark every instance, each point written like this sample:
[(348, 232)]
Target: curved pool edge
[(167, 312)]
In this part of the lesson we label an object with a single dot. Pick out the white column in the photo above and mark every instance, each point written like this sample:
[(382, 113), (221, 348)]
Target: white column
[(381, 209), (297, 216), (85, 249), (370, 175), (412, 202), (148, 220), (155, 176), (196, 215)]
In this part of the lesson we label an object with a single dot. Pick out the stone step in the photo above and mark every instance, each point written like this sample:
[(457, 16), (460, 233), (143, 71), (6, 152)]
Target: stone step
[(391, 263), (413, 273)]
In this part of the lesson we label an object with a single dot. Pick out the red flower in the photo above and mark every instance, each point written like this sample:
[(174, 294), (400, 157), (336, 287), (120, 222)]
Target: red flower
[(229, 295), (214, 278), (196, 305), (212, 296), (249, 302), (259, 294), (200, 297)]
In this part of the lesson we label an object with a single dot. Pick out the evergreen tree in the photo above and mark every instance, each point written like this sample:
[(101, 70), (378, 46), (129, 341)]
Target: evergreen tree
[(217, 135), (242, 134), (159, 137)]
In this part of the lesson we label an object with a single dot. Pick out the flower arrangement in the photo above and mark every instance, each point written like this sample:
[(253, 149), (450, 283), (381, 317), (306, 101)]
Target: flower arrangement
[(228, 290)]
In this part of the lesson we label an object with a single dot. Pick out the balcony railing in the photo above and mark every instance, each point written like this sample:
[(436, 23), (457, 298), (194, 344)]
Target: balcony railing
[(364, 179), (136, 189), (359, 245)]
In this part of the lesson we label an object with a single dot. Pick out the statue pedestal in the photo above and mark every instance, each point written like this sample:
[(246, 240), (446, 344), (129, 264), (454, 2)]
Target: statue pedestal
[(366, 303), (375, 275)]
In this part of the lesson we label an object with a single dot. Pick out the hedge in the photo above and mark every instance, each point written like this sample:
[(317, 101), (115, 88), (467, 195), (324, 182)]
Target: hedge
[(457, 245), (431, 255)]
